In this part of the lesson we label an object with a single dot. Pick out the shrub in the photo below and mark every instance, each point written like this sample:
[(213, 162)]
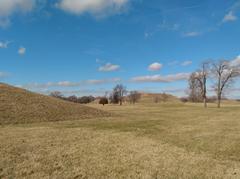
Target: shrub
[(103, 101), (86, 99)]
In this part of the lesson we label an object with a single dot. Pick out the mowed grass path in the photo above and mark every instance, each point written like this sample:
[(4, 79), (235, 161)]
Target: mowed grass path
[(140, 141)]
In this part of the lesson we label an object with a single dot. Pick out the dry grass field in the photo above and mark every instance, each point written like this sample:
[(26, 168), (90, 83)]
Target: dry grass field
[(146, 140)]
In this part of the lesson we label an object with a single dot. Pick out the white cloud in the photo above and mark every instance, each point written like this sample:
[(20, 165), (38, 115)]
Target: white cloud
[(9, 7), (186, 63), (191, 34), (229, 17), (21, 51), (155, 66), (4, 44), (95, 7), (160, 78), (109, 67), (236, 61)]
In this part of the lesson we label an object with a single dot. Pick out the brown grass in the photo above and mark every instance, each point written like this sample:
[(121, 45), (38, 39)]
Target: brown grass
[(21, 106), (166, 140)]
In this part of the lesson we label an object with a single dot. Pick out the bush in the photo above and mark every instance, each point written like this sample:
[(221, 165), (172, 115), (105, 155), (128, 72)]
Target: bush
[(103, 101), (57, 94), (72, 99), (86, 99), (184, 99)]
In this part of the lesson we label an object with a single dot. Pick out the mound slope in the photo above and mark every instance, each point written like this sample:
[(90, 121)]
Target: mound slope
[(21, 106)]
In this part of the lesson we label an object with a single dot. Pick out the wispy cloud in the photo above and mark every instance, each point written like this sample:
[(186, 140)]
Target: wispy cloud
[(94, 7), (69, 83), (183, 8), (155, 66), (80, 92), (175, 62), (191, 34), (230, 16), (235, 62), (186, 63), (4, 44), (160, 78), (164, 25), (99, 60), (109, 68)]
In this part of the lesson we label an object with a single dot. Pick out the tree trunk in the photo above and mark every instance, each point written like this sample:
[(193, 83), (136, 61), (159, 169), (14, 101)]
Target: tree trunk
[(219, 101), (219, 92), (205, 102)]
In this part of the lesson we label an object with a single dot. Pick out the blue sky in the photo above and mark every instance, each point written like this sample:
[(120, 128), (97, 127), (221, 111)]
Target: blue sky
[(85, 47)]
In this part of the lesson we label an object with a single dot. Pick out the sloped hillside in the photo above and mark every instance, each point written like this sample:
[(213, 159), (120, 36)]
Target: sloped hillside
[(21, 106)]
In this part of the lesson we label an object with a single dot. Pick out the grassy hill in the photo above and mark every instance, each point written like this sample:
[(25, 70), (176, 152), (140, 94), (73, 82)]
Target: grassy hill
[(21, 106)]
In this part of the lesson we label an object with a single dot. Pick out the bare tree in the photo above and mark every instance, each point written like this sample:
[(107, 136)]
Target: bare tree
[(134, 97), (194, 88), (118, 93), (201, 77), (224, 73), (56, 94)]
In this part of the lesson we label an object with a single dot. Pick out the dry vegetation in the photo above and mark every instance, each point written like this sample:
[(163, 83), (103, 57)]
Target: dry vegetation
[(146, 140), (21, 106)]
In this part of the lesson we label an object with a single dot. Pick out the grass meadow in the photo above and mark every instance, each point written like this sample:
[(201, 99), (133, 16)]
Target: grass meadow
[(165, 140)]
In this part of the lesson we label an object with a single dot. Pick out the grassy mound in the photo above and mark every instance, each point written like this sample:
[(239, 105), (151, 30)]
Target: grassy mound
[(21, 106)]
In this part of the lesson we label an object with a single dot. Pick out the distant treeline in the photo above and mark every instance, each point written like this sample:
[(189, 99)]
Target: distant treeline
[(212, 99), (75, 99), (118, 95)]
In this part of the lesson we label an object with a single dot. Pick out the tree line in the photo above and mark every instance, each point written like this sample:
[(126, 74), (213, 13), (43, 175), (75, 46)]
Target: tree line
[(118, 95), (75, 99), (222, 74)]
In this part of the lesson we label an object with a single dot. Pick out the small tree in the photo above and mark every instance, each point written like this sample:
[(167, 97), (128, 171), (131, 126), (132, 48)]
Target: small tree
[(201, 81), (72, 99), (194, 90), (114, 99), (118, 93), (103, 101), (224, 73), (56, 94), (134, 97)]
